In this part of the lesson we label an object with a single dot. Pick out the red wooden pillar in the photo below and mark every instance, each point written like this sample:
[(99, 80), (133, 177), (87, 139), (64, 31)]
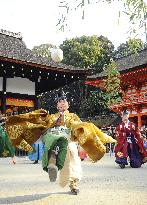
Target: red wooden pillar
[(139, 120), (138, 109)]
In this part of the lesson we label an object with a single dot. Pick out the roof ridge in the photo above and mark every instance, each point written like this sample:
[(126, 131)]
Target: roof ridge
[(12, 34)]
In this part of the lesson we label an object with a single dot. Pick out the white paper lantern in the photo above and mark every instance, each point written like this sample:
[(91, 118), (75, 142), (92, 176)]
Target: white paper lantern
[(57, 55)]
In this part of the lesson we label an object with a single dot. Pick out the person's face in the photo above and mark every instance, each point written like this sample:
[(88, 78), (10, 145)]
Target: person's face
[(62, 105), (125, 118)]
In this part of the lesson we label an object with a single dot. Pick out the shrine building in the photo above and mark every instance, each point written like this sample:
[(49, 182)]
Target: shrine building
[(133, 75), (23, 76)]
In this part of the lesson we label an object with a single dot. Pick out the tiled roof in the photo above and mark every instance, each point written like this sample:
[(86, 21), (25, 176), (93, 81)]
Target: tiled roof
[(126, 64), (13, 47)]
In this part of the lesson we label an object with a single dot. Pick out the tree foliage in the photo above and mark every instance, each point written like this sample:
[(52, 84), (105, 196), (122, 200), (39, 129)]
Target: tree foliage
[(94, 104), (136, 10), (132, 46), (107, 52), (87, 51), (43, 50), (81, 52), (112, 85), (99, 102)]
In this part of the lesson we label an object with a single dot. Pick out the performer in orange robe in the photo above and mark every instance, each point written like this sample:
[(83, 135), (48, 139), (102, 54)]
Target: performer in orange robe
[(129, 144)]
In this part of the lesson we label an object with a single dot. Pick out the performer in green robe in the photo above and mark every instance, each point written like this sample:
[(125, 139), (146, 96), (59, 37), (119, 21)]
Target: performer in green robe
[(6, 147)]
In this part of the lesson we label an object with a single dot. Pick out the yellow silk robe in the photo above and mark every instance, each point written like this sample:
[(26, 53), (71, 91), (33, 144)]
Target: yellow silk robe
[(26, 129)]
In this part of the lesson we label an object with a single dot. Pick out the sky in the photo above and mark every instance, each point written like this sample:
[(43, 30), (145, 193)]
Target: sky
[(37, 19)]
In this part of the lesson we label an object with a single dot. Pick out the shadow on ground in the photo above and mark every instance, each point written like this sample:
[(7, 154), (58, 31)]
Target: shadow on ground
[(26, 198)]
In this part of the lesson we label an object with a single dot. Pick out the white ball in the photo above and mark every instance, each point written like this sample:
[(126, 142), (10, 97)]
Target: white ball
[(57, 55)]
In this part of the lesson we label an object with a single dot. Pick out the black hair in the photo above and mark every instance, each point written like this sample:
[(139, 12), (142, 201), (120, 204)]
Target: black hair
[(125, 112), (61, 96)]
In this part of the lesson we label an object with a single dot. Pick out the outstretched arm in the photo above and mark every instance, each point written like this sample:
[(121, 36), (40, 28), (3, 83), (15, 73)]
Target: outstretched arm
[(23, 130)]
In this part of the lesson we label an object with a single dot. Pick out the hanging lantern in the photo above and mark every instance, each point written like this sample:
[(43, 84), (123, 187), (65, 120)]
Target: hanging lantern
[(57, 55)]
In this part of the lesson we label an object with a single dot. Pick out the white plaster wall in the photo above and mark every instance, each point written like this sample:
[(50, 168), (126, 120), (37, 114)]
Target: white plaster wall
[(1, 83), (20, 85)]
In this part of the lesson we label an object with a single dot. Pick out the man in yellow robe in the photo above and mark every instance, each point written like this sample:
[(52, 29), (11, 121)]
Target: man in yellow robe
[(59, 132)]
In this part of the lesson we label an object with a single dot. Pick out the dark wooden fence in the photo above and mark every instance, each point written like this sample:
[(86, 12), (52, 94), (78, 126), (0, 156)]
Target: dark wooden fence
[(20, 153)]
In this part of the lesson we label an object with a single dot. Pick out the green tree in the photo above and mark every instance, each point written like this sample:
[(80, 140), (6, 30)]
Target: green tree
[(94, 104), (136, 10), (112, 85), (132, 46), (87, 51), (107, 52), (98, 102), (81, 52), (43, 50)]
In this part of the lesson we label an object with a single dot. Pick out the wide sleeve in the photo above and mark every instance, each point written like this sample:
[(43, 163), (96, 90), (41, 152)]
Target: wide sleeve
[(24, 130), (51, 120), (140, 142), (120, 135), (91, 139), (71, 120)]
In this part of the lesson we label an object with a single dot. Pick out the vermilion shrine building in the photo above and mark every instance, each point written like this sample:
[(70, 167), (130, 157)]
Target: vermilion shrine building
[(23, 76), (133, 70)]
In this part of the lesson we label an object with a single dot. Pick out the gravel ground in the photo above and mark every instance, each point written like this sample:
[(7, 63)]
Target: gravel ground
[(103, 183)]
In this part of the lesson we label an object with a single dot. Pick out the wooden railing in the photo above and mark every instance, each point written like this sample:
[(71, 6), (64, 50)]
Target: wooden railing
[(20, 153)]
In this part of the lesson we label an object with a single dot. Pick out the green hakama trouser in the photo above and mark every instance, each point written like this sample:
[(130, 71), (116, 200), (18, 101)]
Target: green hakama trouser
[(52, 142)]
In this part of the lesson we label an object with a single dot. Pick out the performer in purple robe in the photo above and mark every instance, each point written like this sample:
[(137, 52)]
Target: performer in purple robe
[(129, 144)]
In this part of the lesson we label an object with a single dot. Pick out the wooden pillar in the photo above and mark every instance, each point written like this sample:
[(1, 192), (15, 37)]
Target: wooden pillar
[(139, 110), (139, 107), (36, 101), (139, 120), (3, 99)]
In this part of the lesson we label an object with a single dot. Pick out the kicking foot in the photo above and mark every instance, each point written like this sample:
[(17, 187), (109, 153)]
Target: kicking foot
[(52, 168), (74, 186), (52, 171)]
